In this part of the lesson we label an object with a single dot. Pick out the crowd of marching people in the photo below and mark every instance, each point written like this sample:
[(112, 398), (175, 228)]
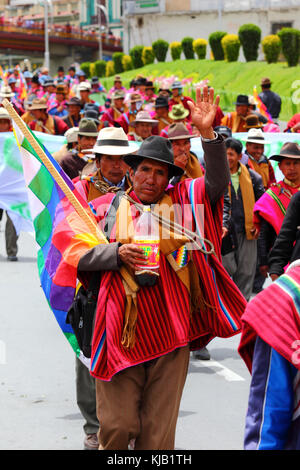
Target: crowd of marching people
[(259, 221)]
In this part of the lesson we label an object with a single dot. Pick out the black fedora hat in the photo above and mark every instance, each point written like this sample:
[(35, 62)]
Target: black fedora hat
[(155, 148), (288, 150), (161, 102), (242, 100)]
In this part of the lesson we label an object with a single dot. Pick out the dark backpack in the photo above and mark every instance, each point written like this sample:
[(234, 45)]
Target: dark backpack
[(81, 314)]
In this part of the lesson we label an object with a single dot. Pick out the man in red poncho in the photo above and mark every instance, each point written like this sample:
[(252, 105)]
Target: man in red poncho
[(144, 333), (270, 209)]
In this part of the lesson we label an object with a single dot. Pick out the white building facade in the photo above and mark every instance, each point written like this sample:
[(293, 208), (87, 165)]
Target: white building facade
[(145, 21)]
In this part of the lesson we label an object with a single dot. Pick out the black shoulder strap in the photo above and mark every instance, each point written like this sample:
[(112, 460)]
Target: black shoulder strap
[(55, 125), (111, 215)]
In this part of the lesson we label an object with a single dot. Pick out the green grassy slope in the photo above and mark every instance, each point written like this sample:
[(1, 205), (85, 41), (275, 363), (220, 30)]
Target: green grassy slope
[(228, 79)]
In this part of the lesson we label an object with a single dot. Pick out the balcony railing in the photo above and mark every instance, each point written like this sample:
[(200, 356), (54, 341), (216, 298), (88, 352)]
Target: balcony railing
[(58, 30)]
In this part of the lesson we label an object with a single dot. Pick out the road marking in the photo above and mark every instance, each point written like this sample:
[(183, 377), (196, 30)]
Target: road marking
[(223, 371)]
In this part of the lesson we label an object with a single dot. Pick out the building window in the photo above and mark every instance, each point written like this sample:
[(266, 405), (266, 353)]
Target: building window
[(275, 27)]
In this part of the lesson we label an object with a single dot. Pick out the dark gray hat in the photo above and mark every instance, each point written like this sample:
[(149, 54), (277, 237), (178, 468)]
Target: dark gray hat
[(161, 102), (155, 148), (49, 82), (88, 127), (74, 101), (92, 114)]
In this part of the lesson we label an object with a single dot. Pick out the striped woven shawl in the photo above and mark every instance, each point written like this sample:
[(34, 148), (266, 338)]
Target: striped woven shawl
[(165, 321), (274, 316), (273, 204)]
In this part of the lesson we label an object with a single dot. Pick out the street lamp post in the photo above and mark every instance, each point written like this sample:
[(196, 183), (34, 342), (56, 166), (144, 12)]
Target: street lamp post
[(47, 55), (101, 8)]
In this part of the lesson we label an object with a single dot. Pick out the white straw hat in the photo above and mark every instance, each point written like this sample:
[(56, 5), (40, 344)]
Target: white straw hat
[(84, 86), (72, 135), (113, 141), (6, 91), (4, 114), (255, 136)]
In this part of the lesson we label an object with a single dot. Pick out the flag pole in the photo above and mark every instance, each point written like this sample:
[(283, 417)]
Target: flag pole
[(53, 171), (93, 227)]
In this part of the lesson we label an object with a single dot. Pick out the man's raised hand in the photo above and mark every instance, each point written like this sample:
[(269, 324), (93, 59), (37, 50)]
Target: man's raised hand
[(203, 112)]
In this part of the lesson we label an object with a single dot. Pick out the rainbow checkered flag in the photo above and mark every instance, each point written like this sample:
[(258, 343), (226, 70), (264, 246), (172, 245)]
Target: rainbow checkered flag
[(53, 202)]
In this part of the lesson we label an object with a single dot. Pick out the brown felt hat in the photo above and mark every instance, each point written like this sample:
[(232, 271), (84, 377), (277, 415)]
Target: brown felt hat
[(135, 97), (178, 130), (265, 81), (288, 150), (252, 121)]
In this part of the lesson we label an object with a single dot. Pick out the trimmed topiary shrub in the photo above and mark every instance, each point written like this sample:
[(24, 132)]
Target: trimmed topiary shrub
[(290, 42), (175, 50), (148, 56), (214, 40), (231, 47), (249, 36), (271, 48), (100, 68), (127, 62), (136, 56), (85, 66), (110, 68), (199, 46), (160, 49), (187, 47), (117, 59)]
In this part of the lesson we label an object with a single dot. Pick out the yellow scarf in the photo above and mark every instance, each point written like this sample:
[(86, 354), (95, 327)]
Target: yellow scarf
[(47, 126), (169, 243), (248, 199), (193, 169), (262, 169)]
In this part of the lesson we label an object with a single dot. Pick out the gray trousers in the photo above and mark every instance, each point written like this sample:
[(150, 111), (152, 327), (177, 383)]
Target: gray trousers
[(10, 237), (241, 264), (86, 397)]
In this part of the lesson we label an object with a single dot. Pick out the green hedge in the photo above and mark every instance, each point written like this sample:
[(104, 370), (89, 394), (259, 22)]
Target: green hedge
[(199, 46), (110, 68), (148, 56), (231, 46), (175, 50), (117, 60), (160, 49), (187, 47), (271, 45), (290, 40), (214, 40), (136, 56), (250, 36), (127, 62), (85, 66), (100, 68)]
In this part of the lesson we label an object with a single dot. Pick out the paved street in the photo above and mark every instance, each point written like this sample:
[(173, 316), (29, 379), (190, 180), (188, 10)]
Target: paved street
[(37, 375)]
